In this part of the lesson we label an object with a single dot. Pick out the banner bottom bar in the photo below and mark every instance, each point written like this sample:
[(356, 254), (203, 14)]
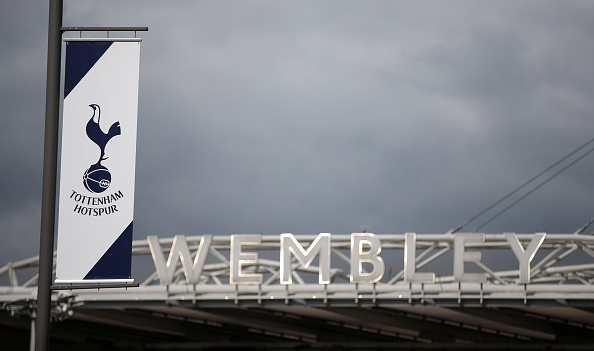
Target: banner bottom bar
[(93, 281)]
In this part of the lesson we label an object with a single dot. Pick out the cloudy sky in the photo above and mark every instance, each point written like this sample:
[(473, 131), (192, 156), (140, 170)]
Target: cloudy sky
[(325, 116)]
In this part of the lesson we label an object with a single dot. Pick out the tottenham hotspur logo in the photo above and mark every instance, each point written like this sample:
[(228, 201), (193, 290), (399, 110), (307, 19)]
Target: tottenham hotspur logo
[(97, 177)]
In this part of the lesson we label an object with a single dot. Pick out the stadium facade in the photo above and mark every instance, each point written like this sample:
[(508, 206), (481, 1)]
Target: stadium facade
[(324, 292)]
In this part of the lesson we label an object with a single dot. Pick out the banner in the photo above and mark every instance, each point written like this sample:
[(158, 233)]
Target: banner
[(97, 165)]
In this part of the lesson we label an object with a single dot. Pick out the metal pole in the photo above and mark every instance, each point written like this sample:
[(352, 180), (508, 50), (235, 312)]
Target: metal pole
[(50, 161), (32, 337)]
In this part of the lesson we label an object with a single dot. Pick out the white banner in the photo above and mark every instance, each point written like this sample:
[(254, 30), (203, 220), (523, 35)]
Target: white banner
[(98, 155)]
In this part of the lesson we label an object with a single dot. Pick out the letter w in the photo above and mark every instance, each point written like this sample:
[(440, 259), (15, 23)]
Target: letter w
[(179, 251)]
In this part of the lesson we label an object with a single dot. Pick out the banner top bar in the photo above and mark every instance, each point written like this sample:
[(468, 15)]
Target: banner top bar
[(104, 39), (104, 29)]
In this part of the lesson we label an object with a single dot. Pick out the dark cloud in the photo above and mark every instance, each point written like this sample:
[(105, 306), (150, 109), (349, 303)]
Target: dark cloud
[(308, 116)]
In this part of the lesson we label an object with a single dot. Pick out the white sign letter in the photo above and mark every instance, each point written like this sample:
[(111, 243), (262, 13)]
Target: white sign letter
[(238, 259), (358, 257), (410, 275), (524, 257), (179, 250), (460, 256), (320, 246)]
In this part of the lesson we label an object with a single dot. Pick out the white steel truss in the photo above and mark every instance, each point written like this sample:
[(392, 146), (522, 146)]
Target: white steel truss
[(561, 273)]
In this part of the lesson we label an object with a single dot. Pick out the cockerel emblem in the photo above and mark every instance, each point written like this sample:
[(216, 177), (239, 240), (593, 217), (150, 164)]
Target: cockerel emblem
[(97, 177)]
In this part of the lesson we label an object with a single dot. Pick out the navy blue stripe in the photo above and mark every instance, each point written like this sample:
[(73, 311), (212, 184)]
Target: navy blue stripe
[(81, 56), (116, 263)]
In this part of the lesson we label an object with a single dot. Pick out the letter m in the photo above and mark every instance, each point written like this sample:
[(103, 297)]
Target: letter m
[(319, 246), (179, 251)]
